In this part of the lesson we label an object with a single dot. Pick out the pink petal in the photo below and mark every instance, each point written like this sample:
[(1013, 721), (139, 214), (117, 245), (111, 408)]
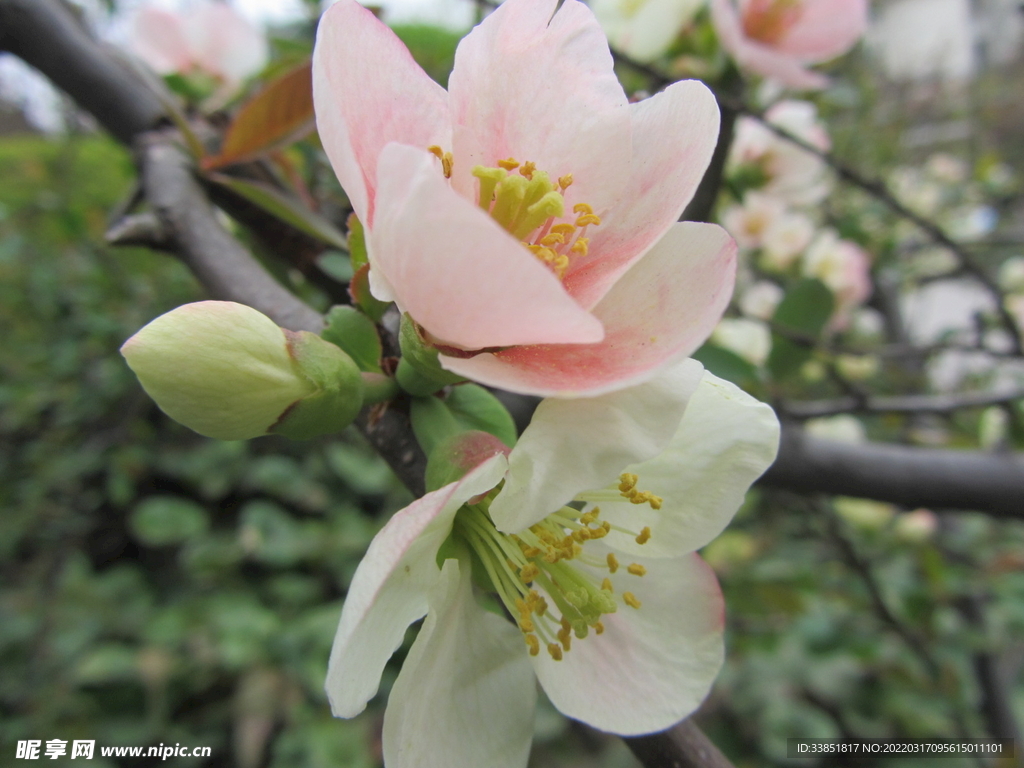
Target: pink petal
[(538, 87), (225, 43), (390, 587), (652, 666), (456, 271), (757, 57), (159, 40), (368, 92), (660, 310), (674, 136), (825, 29)]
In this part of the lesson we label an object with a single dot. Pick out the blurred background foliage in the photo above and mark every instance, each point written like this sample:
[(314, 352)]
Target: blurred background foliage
[(158, 587)]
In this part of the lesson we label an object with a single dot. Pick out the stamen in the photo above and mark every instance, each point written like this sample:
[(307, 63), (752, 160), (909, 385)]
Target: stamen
[(598, 629), (534, 644), (528, 168), (564, 182), (446, 158), (630, 599), (582, 208), (587, 219), (509, 165), (645, 535), (606, 585), (636, 569), (613, 562), (555, 650)]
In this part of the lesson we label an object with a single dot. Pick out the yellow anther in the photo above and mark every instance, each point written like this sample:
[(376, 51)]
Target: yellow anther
[(581, 207), (509, 165), (522, 607), (636, 569), (555, 650), (627, 482), (613, 562), (630, 599), (606, 585), (446, 158), (581, 246), (528, 168), (589, 517), (644, 536), (554, 238), (529, 572), (534, 644), (526, 624), (581, 535), (599, 533), (564, 182), (655, 501), (598, 629), (563, 229), (537, 603), (588, 218), (565, 638)]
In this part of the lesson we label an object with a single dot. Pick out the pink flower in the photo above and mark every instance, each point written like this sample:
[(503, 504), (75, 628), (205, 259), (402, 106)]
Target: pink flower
[(590, 285), (845, 268), (778, 38), (213, 38)]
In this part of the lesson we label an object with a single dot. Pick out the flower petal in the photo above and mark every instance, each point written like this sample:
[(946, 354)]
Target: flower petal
[(674, 136), (456, 271), (465, 695), (368, 92), (757, 57), (225, 43), (660, 310), (389, 589), (158, 38), (576, 445), (725, 441), (650, 667), (825, 29), (540, 87)]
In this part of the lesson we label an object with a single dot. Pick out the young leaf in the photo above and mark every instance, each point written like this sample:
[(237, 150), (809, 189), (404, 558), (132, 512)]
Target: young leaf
[(356, 334), (476, 408), (279, 114), (804, 312), (289, 209)]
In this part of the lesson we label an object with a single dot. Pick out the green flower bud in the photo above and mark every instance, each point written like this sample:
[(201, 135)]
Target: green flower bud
[(228, 372)]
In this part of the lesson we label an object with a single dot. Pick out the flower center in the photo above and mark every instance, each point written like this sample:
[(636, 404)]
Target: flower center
[(769, 20), (545, 558), (531, 207)]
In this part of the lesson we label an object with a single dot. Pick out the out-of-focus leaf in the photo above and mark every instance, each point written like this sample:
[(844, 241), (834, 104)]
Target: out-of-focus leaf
[(359, 289), (287, 208), (726, 364), (803, 313), (162, 520), (282, 112), (476, 408), (356, 334)]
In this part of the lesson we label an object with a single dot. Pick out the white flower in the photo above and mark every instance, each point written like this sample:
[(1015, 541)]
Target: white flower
[(792, 173), (843, 428), (629, 647), (644, 29), (785, 239), (750, 339), (844, 267), (748, 221), (761, 299)]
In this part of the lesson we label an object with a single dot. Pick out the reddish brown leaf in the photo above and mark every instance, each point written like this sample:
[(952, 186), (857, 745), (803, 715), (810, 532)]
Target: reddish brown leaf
[(280, 113)]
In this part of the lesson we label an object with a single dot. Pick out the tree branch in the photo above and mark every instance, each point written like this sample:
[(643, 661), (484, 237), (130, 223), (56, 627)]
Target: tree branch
[(938, 404), (47, 35), (911, 476)]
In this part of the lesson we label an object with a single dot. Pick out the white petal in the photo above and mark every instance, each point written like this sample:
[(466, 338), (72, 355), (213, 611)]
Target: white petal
[(725, 441), (466, 694), (651, 667), (582, 444), (389, 589)]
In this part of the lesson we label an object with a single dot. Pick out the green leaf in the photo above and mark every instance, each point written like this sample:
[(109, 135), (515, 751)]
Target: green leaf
[(803, 313), (356, 334), (359, 289), (725, 364), (284, 207), (162, 520), (420, 372), (432, 423), (357, 242), (476, 408)]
